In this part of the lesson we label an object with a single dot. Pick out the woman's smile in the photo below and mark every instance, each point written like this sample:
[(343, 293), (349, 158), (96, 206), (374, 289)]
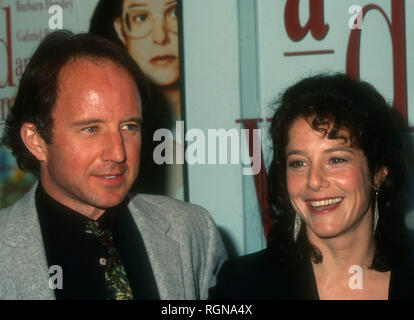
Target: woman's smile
[(324, 205)]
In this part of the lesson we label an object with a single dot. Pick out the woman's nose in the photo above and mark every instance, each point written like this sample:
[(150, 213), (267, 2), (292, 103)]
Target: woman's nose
[(159, 30), (317, 179)]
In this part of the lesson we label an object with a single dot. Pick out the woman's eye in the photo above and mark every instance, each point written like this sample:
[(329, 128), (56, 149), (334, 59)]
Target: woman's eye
[(140, 17), (336, 160), (296, 164), (172, 12)]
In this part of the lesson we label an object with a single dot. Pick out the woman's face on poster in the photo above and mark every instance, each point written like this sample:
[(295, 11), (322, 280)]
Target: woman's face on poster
[(149, 30)]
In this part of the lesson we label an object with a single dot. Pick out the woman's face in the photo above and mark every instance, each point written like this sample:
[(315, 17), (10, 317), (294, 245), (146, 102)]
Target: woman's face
[(329, 182), (149, 31)]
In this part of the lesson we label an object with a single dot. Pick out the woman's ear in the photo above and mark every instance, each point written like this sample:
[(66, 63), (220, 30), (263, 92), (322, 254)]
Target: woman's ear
[(33, 141), (380, 177), (118, 29)]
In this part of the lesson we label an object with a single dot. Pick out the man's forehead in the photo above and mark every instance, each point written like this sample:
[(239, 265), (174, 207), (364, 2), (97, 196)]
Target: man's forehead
[(89, 82), (91, 71), (89, 66)]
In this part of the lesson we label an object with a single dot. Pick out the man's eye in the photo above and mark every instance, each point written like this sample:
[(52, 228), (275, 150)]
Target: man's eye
[(90, 129), (130, 127)]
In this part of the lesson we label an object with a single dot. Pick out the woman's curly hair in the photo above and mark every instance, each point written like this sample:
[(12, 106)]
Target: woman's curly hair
[(355, 106)]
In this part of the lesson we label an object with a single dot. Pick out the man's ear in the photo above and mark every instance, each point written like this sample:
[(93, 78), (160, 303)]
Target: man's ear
[(380, 177), (118, 29), (33, 141)]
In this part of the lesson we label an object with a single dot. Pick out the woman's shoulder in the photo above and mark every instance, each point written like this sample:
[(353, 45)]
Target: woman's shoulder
[(402, 276), (248, 263)]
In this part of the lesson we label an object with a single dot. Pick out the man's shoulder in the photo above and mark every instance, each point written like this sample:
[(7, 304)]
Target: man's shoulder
[(173, 210), (164, 202), (20, 208)]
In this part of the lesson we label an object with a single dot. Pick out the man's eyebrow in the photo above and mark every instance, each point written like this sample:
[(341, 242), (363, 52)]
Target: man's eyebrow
[(87, 122), (81, 123), (134, 119)]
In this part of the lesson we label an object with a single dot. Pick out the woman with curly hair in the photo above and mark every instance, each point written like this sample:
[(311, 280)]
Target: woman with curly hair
[(337, 185)]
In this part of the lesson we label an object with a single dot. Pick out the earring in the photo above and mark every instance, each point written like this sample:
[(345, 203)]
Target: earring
[(376, 215), (296, 228)]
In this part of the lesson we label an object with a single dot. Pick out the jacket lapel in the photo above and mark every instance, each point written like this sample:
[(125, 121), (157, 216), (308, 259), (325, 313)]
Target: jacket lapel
[(162, 248)]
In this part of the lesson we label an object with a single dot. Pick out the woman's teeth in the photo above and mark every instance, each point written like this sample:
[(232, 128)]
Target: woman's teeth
[(326, 202)]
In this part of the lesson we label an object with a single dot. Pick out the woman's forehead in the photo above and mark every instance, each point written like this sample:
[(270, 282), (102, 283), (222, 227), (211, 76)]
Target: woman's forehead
[(303, 131), (323, 125), (147, 3)]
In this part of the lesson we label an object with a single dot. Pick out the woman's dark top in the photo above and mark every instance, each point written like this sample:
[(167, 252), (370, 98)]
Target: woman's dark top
[(259, 276)]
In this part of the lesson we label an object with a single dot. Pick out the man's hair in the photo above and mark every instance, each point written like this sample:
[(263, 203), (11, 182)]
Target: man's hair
[(38, 87), (339, 103)]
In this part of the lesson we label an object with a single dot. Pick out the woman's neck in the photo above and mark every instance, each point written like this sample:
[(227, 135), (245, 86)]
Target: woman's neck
[(345, 271), (354, 247)]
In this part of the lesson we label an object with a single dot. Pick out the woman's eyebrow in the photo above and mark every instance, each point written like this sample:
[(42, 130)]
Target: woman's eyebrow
[(137, 4), (295, 152), (344, 149), (330, 150)]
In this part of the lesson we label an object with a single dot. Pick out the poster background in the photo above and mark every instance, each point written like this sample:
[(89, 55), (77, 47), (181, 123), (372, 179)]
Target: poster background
[(233, 65)]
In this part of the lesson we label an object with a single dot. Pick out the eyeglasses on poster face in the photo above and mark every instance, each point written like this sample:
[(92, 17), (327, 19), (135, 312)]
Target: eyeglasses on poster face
[(138, 22)]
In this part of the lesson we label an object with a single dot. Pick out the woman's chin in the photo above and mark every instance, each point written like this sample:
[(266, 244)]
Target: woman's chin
[(326, 232), (165, 81)]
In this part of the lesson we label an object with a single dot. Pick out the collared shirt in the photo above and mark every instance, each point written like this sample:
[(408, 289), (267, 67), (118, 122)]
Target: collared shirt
[(82, 257)]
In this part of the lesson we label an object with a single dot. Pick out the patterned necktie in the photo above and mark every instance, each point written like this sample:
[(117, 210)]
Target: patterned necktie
[(116, 280)]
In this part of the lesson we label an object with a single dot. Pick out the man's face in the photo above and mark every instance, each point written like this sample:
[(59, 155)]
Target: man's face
[(96, 139)]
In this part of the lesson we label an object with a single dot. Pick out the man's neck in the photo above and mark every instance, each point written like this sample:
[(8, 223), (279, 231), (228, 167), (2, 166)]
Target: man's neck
[(84, 209)]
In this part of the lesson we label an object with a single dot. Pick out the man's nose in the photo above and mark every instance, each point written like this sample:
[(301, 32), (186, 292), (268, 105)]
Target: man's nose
[(317, 178), (159, 30), (114, 148)]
